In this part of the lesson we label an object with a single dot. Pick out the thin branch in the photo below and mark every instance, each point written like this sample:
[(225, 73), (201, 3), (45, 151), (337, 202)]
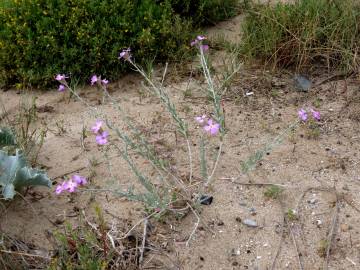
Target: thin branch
[(142, 249), (195, 227)]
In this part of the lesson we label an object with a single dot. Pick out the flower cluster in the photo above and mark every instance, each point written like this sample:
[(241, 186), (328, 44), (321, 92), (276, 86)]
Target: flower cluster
[(125, 54), (71, 185), (62, 79), (95, 79), (198, 42), (209, 125), (101, 135), (303, 114)]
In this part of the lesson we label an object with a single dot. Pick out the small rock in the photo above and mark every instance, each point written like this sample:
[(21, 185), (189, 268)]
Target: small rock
[(206, 200), (238, 219), (344, 227), (253, 211), (312, 201), (318, 223), (220, 223), (302, 83), (250, 223)]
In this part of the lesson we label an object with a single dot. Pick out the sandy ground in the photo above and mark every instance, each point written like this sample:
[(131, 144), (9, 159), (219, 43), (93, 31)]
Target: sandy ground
[(319, 172)]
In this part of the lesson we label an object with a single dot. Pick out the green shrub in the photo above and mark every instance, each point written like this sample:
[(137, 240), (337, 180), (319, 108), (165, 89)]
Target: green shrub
[(304, 33), (40, 38), (205, 11)]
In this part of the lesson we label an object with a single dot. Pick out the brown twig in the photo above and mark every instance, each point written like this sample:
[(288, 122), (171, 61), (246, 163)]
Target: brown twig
[(23, 254), (195, 227), (332, 233), (142, 249)]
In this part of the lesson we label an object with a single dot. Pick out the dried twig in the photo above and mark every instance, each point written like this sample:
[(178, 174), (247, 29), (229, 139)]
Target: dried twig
[(301, 267), (195, 227), (24, 254), (232, 180), (332, 233), (142, 249)]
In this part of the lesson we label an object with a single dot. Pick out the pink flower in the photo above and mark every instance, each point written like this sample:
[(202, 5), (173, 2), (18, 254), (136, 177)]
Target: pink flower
[(97, 127), (302, 114), (61, 88), (80, 180), (194, 42), (204, 48), (315, 114), (60, 77), (104, 81), (70, 186), (200, 38), (212, 127), (93, 79), (60, 188), (101, 139), (201, 119), (125, 54)]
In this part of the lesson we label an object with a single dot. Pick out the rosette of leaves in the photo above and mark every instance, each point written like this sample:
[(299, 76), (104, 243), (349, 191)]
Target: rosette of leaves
[(15, 174)]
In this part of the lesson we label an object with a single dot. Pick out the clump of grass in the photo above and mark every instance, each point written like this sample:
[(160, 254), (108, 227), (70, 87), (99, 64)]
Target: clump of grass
[(273, 192), (93, 245), (322, 248), (303, 33), (291, 215)]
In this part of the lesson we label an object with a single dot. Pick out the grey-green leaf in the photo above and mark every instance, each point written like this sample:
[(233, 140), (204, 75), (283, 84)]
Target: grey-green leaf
[(7, 137), (14, 174)]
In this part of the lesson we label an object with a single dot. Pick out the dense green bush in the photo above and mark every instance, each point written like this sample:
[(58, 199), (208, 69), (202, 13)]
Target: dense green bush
[(205, 11), (305, 33), (40, 38)]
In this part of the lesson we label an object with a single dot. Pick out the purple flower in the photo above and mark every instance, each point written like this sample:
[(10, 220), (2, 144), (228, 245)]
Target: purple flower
[(200, 38), (204, 48), (101, 139), (194, 42), (60, 77), (315, 114), (93, 79), (105, 81), (80, 180), (125, 54), (201, 119), (212, 127), (61, 88), (60, 188), (97, 127), (302, 114), (70, 186)]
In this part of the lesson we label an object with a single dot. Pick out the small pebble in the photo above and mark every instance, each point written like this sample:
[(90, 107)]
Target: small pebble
[(312, 201), (318, 223), (250, 223)]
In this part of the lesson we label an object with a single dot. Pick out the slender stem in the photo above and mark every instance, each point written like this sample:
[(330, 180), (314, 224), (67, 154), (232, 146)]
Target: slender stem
[(215, 165), (190, 160)]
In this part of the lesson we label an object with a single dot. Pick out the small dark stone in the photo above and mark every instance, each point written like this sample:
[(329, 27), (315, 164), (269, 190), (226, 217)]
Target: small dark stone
[(202, 258), (248, 251), (220, 223), (206, 199), (238, 219)]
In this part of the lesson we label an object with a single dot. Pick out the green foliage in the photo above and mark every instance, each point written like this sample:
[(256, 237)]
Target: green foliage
[(7, 137), (41, 38), (205, 11), (15, 174), (304, 33), (273, 192)]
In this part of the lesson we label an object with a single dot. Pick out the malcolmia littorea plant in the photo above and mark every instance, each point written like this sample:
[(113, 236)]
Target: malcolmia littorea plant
[(303, 117), (173, 188)]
